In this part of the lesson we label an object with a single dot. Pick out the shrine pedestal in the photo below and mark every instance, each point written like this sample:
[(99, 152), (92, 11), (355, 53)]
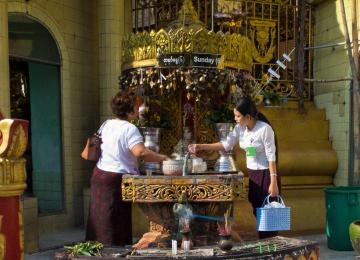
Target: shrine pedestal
[(209, 195)]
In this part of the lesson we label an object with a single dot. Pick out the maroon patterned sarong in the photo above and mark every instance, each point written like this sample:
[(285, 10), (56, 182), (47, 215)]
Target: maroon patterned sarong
[(109, 219), (259, 182)]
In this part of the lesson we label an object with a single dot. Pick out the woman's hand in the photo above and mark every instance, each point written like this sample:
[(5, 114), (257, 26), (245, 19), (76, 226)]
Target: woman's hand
[(165, 157), (193, 148), (273, 189)]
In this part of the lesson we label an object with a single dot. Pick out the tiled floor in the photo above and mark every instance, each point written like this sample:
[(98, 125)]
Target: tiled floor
[(51, 243), (325, 252)]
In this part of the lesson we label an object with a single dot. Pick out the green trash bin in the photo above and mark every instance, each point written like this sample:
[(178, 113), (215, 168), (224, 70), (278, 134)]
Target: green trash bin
[(342, 208)]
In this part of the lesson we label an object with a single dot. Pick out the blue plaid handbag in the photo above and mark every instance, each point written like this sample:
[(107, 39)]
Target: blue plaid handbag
[(273, 216)]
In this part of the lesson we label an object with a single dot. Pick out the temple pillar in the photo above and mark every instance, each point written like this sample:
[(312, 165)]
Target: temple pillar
[(112, 23), (4, 60), (13, 143)]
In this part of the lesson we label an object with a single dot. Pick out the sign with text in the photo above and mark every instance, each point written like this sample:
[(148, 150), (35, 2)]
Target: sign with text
[(206, 60), (169, 60)]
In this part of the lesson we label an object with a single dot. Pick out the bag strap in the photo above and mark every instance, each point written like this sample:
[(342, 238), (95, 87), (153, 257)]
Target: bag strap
[(98, 133), (278, 197)]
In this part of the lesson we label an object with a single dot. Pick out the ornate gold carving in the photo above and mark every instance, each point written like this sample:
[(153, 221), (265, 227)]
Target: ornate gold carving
[(286, 89), (12, 171), (187, 16), (235, 48), (263, 35), (162, 41), (12, 147), (159, 228), (170, 137), (186, 34), (313, 255), (2, 241), (14, 138), (19, 143), (12, 168), (204, 133), (222, 188)]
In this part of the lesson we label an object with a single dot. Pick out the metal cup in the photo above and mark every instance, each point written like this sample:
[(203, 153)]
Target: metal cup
[(148, 172)]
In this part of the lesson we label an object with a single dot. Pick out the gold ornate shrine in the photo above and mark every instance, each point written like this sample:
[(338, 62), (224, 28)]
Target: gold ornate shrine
[(269, 29), (248, 35), (267, 26), (209, 195), (13, 143), (186, 34), (188, 92)]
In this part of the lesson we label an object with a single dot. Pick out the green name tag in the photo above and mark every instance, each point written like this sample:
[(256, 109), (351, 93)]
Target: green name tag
[(251, 151)]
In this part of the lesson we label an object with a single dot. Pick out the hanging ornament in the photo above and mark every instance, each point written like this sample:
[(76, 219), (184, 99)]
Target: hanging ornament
[(233, 89), (141, 76), (188, 96)]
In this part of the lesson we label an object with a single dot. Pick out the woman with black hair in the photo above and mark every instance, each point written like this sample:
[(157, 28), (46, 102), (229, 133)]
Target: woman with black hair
[(109, 220), (255, 135)]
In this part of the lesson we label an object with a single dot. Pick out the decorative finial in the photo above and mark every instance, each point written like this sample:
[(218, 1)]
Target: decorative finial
[(189, 11), (187, 16)]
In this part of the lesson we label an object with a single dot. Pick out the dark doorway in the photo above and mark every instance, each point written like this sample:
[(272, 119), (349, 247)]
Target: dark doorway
[(35, 96), (20, 107)]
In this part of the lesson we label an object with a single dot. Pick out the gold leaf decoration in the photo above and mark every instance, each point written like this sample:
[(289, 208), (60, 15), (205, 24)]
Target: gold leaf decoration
[(224, 188)]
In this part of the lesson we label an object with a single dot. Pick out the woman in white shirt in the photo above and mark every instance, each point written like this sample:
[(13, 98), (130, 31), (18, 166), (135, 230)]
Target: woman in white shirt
[(122, 145), (256, 137)]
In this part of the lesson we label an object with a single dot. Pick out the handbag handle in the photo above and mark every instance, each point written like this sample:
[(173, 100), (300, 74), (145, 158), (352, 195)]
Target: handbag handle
[(98, 132), (278, 197)]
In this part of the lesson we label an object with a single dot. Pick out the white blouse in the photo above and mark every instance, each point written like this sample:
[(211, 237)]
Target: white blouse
[(259, 143), (118, 138)]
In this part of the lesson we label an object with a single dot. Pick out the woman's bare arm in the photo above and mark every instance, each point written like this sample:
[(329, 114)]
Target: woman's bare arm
[(140, 151), (273, 188), (194, 148)]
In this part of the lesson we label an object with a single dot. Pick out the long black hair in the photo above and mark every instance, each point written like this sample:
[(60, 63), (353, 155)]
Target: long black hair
[(247, 107)]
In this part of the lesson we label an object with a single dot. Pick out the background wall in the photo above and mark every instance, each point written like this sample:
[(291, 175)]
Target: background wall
[(330, 63), (74, 27)]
